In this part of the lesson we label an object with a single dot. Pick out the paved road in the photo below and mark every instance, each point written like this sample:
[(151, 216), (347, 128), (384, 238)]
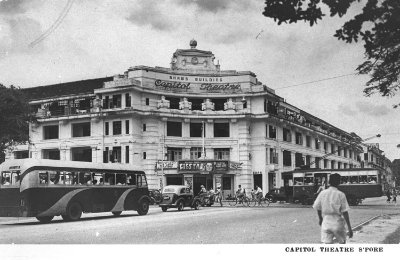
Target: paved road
[(279, 223)]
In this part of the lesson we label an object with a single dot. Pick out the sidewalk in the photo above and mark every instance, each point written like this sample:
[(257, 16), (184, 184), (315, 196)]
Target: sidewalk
[(383, 230)]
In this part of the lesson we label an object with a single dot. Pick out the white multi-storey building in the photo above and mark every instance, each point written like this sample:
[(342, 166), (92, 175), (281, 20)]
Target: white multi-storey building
[(192, 123)]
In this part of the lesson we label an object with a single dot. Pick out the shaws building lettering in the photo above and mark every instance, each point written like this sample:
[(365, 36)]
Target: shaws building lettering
[(199, 79), (208, 86)]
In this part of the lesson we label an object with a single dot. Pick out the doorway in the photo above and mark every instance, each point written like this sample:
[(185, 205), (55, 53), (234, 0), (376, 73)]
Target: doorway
[(257, 180), (197, 182)]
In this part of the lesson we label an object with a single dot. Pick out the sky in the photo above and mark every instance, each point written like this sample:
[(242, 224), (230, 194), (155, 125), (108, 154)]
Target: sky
[(48, 42)]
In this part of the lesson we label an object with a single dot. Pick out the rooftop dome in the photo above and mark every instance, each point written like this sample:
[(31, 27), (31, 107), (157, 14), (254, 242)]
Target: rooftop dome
[(193, 44)]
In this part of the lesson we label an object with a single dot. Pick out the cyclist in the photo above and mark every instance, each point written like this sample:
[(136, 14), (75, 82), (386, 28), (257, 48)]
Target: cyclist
[(258, 193), (240, 193), (202, 194)]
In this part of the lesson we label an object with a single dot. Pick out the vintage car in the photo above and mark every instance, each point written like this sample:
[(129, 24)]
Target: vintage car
[(178, 196)]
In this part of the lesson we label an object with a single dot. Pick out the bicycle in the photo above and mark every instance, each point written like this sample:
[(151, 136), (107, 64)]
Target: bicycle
[(244, 200), (263, 201)]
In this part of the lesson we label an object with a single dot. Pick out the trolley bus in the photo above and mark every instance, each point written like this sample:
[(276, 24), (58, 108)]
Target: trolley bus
[(356, 183), (48, 188)]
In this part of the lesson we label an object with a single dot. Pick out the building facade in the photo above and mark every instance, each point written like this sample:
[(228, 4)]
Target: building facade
[(192, 123)]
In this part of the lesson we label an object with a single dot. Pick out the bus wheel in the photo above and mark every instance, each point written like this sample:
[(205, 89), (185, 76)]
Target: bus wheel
[(46, 219), (143, 207), (164, 209), (116, 213), (74, 212)]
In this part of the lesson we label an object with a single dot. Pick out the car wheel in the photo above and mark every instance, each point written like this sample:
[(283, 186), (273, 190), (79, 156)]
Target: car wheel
[(196, 205), (116, 213), (74, 212), (143, 207), (180, 205), (46, 219), (164, 209)]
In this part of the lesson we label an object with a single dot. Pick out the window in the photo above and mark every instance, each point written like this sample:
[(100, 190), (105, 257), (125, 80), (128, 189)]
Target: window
[(270, 107), (116, 101), (116, 154), (219, 104), (127, 154), (174, 128), (326, 147), (81, 129), (317, 162), (308, 160), (299, 161), (339, 165), (117, 127), (326, 163), (271, 132), (82, 154), (127, 127), (332, 164), (195, 152), (106, 155), (287, 158), (226, 183), (106, 102), (107, 128), (345, 152), (196, 103), (173, 102), (174, 154), (221, 153), (196, 129), (273, 159), (332, 148), (317, 144), (287, 135), (221, 129), (339, 150), (147, 101), (144, 156), (109, 179), (299, 138), (21, 154), (52, 154), (50, 132), (127, 100), (308, 141), (365, 156), (144, 127)]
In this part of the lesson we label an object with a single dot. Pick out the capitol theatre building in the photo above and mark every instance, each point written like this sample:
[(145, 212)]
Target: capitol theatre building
[(192, 123)]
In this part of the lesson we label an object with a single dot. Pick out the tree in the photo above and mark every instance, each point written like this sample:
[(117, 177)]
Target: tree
[(14, 118), (378, 26)]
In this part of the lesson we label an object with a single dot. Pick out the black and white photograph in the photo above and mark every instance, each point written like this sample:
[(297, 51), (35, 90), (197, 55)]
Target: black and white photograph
[(199, 128)]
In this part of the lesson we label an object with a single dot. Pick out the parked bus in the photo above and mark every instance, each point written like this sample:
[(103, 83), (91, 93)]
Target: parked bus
[(356, 183), (48, 188)]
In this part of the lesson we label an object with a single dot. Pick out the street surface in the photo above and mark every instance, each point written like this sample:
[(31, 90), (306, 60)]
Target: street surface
[(278, 223)]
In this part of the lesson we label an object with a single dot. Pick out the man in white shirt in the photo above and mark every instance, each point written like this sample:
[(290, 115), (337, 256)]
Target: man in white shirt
[(332, 207), (258, 193)]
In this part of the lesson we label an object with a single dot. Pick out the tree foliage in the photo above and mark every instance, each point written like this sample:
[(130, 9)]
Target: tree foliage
[(377, 26), (14, 118)]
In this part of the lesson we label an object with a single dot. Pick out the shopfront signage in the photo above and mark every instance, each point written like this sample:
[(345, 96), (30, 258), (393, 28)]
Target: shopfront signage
[(166, 165), (202, 166), (257, 172), (207, 87)]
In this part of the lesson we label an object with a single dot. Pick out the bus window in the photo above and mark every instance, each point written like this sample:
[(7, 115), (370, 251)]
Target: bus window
[(372, 179), (87, 178), (69, 178), (121, 179), (109, 179), (131, 179), (354, 179), (60, 179), (43, 177), (54, 177), (97, 178), (308, 179), (81, 178), (363, 179), (344, 180), (15, 178), (298, 180), (6, 178)]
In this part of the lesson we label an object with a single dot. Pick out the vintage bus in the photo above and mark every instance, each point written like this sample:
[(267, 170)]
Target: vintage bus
[(356, 183), (48, 188)]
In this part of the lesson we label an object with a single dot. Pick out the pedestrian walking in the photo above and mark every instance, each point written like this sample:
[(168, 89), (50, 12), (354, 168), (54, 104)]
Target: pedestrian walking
[(218, 195), (388, 195), (332, 208), (394, 200)]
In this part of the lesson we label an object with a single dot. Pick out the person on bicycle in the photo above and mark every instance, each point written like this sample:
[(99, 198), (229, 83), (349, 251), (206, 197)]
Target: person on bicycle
[(240, 193), (258, 193), (202, 193)]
